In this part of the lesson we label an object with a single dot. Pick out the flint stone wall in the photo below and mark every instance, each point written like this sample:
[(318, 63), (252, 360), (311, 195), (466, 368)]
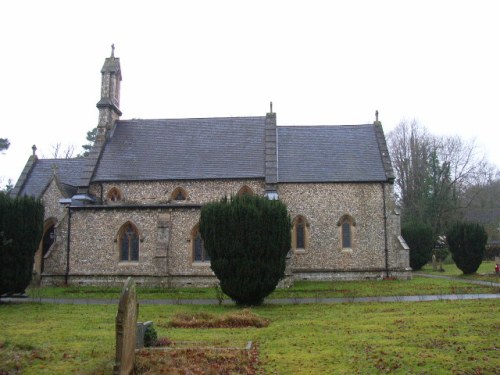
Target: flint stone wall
[(166, 229), (323, 205), (55, 259)]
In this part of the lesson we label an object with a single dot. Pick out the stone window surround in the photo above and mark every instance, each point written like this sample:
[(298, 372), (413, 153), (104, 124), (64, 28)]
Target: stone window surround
[(179, 190), (296, 220), (346, 218), (122, 262), (114, 195), (245, 190)]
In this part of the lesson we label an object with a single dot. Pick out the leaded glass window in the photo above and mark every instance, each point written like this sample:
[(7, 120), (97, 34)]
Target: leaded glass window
[(346, 234), (300, 235), (200, 255), (129, 243)]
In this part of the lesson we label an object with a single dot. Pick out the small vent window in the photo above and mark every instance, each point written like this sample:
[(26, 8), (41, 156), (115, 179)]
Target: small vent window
[(179, 194), (114, 195)]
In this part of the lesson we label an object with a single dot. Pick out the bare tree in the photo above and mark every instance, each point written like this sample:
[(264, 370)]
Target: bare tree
[(58, 151), (433, 173)]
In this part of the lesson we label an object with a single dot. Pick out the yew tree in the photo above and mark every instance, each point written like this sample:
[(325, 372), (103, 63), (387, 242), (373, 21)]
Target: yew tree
[(247, 239)]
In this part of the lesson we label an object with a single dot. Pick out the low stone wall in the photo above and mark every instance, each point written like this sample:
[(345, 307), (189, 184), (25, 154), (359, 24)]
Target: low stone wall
[(339, 275)]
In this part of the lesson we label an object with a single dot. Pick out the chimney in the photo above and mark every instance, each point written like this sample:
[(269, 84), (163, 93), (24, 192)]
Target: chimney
[(109, 104)]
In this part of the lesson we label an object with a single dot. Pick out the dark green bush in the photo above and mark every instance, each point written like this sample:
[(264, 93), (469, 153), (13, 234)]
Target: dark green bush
[(419, 238), (21, 229), (467, 242), (150, 336), (247, 239)]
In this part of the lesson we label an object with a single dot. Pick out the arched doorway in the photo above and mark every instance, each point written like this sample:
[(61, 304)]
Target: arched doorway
[(47, 241), (48, 238)]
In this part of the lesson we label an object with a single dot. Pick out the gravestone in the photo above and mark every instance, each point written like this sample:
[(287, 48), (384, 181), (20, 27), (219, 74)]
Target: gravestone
[(141, 330), (434, 265), (126, 321)]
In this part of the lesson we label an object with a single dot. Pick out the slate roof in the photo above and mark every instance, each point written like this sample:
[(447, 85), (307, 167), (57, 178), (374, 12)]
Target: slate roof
[(222, 148), (68, 173), (179, 149), (347, 153)]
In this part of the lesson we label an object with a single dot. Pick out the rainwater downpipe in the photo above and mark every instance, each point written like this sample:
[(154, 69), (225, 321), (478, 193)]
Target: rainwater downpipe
[(386, 250), (66, 275)]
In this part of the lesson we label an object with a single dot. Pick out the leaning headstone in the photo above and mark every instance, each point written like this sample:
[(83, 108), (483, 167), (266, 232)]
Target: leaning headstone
[(126, 321)]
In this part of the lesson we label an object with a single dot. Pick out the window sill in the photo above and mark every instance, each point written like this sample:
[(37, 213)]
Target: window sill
[(299, 251), (200, 263), (347, 250), (127, 263)]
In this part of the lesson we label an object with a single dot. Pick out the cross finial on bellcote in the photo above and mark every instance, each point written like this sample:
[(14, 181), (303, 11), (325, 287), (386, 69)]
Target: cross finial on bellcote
[(113, 50)]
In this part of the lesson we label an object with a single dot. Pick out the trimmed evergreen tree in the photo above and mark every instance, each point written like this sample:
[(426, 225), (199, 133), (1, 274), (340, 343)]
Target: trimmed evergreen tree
[(247, 239), (21, 229), (467, 242), (419, 238)]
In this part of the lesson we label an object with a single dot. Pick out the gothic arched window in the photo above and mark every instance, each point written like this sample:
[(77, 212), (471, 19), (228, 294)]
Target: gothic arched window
[(346, 224), (198, 247), (299, 233), (114, 195), (179, 194), (245, 190), (128, 243)]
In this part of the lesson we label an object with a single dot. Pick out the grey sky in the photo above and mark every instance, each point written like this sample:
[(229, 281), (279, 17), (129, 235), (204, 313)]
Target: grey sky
[(320, 62)]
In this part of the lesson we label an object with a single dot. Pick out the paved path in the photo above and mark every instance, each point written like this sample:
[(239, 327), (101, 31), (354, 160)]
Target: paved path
[(278, 301), (470, 281), (283, 301)]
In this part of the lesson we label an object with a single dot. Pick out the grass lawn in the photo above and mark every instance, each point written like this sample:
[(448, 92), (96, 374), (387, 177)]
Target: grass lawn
[(458, 337), (301, 289), (486, 271)]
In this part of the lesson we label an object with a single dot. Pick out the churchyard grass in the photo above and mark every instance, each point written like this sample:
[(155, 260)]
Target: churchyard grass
[(440, 337), (301, 289), (485, 272)]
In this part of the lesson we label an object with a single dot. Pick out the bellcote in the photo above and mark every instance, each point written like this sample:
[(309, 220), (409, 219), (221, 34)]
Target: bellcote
[(109, 105)]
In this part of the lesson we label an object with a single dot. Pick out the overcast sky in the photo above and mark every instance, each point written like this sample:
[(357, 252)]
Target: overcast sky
[(319, 62)]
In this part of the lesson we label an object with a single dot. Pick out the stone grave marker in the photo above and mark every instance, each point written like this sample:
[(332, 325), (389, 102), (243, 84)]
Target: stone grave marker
[(126, 322), (141, 329)]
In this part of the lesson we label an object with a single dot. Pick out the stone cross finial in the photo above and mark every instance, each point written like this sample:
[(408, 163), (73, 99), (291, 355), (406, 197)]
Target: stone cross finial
[(271, 107), (376, 115), (34, 150), (113, 50)]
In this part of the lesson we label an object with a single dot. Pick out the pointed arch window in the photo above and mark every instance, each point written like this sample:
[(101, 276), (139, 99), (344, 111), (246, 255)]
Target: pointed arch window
[(245, 190), (299, 233), (114, 195), (198, 247), (128, 243), (179, 194), (346, 225)]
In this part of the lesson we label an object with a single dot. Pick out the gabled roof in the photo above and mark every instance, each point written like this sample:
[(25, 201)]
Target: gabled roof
[(180, 149), (67, 172), (221, 148), (349, 153)]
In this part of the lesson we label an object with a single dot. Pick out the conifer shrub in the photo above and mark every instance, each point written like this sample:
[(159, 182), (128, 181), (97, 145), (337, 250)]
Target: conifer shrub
[(467, 242), (419, 238), (21, 229), (247, 239), (150, 336)]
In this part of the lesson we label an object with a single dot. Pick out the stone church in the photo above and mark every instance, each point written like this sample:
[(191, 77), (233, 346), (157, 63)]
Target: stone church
[(131, 207)]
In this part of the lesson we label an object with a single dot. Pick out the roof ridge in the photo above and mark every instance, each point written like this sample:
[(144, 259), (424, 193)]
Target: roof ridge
[(189, 118)]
